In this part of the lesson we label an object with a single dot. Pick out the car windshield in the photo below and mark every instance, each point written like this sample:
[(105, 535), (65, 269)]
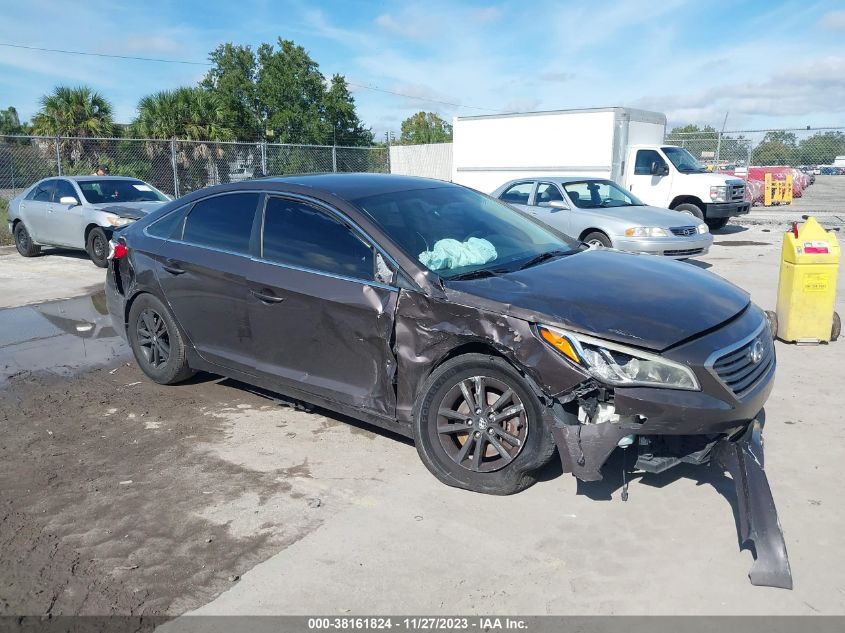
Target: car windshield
[(683, 160), (119, 190), (597, 194), (458, 232)]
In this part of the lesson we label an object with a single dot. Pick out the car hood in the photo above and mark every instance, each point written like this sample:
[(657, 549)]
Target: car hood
[(645, 216), (132, 210), (640, 300)]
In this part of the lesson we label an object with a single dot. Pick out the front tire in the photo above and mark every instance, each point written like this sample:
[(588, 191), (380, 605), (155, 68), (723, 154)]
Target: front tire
[(597, 238), (23, 242), (156, 341), (478, 425), (691, 208), (717, 223), (97, 247)]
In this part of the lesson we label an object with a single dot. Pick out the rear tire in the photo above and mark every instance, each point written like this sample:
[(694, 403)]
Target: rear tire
[(23, 242), (156, 341), (97, 247), (836, 330), (717, 223), (499, 451), (691, 208), (597, 238)]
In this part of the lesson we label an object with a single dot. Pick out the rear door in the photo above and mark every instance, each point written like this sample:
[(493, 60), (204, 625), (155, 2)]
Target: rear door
[(34, 210), (66, 223), (320, 320), (546, 193), (203, 276), (519, 194)]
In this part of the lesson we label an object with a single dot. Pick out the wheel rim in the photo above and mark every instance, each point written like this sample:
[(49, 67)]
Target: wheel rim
[(595, 243), (23, 239), (482, 424), (153, 337), (99, 247)]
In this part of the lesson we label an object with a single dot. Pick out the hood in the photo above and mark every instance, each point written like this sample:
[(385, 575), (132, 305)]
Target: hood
[(639, 300), (646, 216), (133, 210), (714, 180)]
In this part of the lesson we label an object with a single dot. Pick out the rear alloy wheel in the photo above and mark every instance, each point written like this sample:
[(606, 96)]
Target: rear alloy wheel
[(597, 238), (717, 223), (24, 243), (97, 247), (479, 426), (157, 342)]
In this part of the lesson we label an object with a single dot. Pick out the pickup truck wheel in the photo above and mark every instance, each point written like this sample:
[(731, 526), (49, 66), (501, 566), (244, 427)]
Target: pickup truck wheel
[(691, 208), (597, 238), (24, 243), (478, 426), (97, 246), (717, 223)]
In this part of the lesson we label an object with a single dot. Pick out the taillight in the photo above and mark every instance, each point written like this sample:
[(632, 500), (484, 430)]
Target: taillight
[(117, 250)]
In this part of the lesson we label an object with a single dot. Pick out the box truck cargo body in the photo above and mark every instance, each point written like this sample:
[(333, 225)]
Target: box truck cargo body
[(620, 144)]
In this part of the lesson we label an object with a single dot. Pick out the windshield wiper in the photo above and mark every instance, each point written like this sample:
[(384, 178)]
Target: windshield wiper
[(477, 274), (543, 257)]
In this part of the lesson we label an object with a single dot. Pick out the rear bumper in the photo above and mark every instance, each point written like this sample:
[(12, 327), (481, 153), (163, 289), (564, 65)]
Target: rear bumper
[(726, 209), (116, 302), (671, 247)]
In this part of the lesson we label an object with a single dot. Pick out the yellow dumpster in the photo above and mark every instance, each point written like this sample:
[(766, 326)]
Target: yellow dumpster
[(807, 288)]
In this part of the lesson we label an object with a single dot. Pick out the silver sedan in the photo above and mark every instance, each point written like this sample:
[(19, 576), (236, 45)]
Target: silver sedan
[(598, 211), (79, 212)]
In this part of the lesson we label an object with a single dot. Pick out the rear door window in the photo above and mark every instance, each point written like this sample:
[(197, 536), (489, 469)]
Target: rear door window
[(297, 234), (42, 192), (518, 193), (222, 222)]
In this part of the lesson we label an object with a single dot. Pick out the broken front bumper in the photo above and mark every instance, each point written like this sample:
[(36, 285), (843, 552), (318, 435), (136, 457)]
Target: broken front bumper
[(585, 448)]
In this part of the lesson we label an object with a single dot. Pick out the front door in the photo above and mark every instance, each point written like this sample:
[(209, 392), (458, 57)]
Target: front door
[(652, 188), (204, 278), (320, 321)]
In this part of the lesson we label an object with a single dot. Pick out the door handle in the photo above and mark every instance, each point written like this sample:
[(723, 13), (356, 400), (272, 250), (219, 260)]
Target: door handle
[(173, 267), (266, 296)]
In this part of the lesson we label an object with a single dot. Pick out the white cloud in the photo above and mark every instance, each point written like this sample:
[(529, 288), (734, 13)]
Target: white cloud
[(833, 21)]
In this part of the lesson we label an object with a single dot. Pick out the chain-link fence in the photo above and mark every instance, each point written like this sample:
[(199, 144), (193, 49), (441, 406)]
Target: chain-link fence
[(174, 166)]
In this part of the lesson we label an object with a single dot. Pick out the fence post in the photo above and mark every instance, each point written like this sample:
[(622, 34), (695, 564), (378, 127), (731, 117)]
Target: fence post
[(263, 146), (58, 156), (718, 150), (334, 157), (175, 169)]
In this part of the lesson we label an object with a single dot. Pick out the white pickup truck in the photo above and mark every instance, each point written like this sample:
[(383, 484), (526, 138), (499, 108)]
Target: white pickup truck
[(620, 144)]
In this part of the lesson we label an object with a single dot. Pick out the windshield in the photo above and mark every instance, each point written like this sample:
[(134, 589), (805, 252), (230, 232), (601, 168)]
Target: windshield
[(597, 194), (118, 190), (683, 160), (455, 231)]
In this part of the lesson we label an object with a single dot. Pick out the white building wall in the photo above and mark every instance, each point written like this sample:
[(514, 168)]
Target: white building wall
[(433, 160)]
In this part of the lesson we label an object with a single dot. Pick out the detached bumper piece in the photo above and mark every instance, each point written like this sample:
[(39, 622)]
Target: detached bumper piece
[(758, 518)]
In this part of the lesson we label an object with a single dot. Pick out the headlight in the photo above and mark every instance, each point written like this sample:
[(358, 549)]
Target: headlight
[(646, 231), (619, 365), (719, 193), (116, 220), (703, 228)]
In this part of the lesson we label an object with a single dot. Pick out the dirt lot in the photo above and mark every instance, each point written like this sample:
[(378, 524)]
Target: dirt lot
[(121, 496)]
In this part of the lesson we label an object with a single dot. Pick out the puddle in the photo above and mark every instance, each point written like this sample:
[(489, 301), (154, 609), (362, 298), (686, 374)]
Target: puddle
[(742, 243), (59, 336)]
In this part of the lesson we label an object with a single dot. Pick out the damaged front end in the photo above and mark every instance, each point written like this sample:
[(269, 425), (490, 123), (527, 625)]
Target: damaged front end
[(587, 429)]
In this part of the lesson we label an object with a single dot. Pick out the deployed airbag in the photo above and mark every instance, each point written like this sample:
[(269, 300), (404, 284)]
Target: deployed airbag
[(449, 253)]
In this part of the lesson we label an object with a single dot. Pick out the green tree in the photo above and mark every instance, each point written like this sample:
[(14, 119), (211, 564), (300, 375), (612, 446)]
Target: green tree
[(820, 148), (78, 112), (10, 122), (777, 148), (425, 127), (232, 79), (290, 91), (341, 120)]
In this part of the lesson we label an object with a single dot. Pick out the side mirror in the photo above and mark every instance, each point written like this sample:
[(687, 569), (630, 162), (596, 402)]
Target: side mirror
[(384, 274), (69, 201), (659, 169), (556, 205)]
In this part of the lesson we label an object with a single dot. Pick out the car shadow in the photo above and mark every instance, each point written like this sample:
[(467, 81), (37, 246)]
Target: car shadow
[(730, 229), (64, 252), (699, 264)]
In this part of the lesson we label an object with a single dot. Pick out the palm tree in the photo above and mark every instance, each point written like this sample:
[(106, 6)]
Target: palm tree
[(74, 112), (187, 114)]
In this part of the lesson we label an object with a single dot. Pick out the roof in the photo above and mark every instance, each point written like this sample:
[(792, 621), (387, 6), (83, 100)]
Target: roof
[(88, 178), (351, 186), (556, 179)]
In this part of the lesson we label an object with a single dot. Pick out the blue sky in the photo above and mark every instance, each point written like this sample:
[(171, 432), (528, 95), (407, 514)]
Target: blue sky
[(767, 63)]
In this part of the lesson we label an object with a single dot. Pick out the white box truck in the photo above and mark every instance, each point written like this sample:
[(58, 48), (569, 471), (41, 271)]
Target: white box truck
[(621, 144)]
